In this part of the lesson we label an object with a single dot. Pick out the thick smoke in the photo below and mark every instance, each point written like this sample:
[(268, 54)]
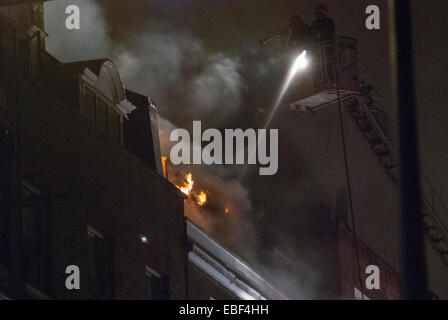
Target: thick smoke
[(185, 80), (89, 42), (218, 87), (190, 82), (228, 202), (227, 81)]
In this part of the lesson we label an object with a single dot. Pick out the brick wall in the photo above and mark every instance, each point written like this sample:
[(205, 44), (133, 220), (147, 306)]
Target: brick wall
[(101, 185)]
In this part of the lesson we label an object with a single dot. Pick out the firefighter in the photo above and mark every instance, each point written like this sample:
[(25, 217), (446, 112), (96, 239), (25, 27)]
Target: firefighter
[(323, 26), (299, 33), (324, 29)]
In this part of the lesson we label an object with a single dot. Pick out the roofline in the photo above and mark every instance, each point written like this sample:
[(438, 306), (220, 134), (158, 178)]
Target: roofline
[(233, 262)]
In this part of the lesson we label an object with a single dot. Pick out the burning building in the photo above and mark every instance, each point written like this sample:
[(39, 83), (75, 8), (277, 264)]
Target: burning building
[(82, 184)]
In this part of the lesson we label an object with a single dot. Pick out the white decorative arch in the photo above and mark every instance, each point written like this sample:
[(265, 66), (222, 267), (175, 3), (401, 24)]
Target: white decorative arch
[(109, 85)]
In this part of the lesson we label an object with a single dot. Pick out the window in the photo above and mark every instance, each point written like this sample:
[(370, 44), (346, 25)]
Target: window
[(100, 265), (36, 234), (114, 125), (157, 286), (88, 107), (101, 115), (105, 117), (8, 41)]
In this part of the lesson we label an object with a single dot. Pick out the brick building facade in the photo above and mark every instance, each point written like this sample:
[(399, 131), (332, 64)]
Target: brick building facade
[(81, 184), (81, 180)]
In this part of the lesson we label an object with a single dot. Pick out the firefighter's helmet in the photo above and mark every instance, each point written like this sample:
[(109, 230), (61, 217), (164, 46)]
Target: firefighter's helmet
[(321, 9)]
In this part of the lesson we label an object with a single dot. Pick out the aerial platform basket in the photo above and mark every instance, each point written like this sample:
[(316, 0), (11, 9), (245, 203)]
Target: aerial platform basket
[(334, 66), (331, 62)]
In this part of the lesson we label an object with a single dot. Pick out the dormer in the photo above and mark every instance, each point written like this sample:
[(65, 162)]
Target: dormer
[(102, 100), (126, 117)]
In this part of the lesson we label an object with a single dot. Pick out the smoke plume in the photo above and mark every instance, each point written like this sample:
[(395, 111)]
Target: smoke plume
[(222, 77), (186, 81)]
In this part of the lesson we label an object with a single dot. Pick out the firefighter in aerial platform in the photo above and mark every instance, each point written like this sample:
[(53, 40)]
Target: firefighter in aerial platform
[(324, 30), (323, 26), (297, 35), (300, 35)]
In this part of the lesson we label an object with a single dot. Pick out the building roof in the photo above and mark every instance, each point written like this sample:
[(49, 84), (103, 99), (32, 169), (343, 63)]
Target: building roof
[(137, 99), (78, 67), (228, 269)]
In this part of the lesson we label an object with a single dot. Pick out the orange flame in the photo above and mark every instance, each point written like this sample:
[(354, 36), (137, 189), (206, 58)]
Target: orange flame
[(164, 165), (187, 188), (201, 199), (227, 210), (188, 185)]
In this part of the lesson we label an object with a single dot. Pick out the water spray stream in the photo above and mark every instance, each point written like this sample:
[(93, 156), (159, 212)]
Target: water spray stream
[(300, 63)]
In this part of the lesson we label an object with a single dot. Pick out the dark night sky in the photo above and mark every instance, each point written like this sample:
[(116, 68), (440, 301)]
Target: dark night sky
[(166, 48)]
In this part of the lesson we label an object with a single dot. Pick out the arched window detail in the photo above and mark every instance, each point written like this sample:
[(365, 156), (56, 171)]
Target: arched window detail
[(103, 100)]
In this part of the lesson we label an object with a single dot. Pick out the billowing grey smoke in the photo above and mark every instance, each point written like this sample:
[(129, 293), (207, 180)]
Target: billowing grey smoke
[(187, 81), (226, 81), (228, 201), (89, 42)]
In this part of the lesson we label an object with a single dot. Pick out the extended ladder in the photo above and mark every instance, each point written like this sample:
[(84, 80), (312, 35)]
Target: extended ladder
[(434, 229)]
